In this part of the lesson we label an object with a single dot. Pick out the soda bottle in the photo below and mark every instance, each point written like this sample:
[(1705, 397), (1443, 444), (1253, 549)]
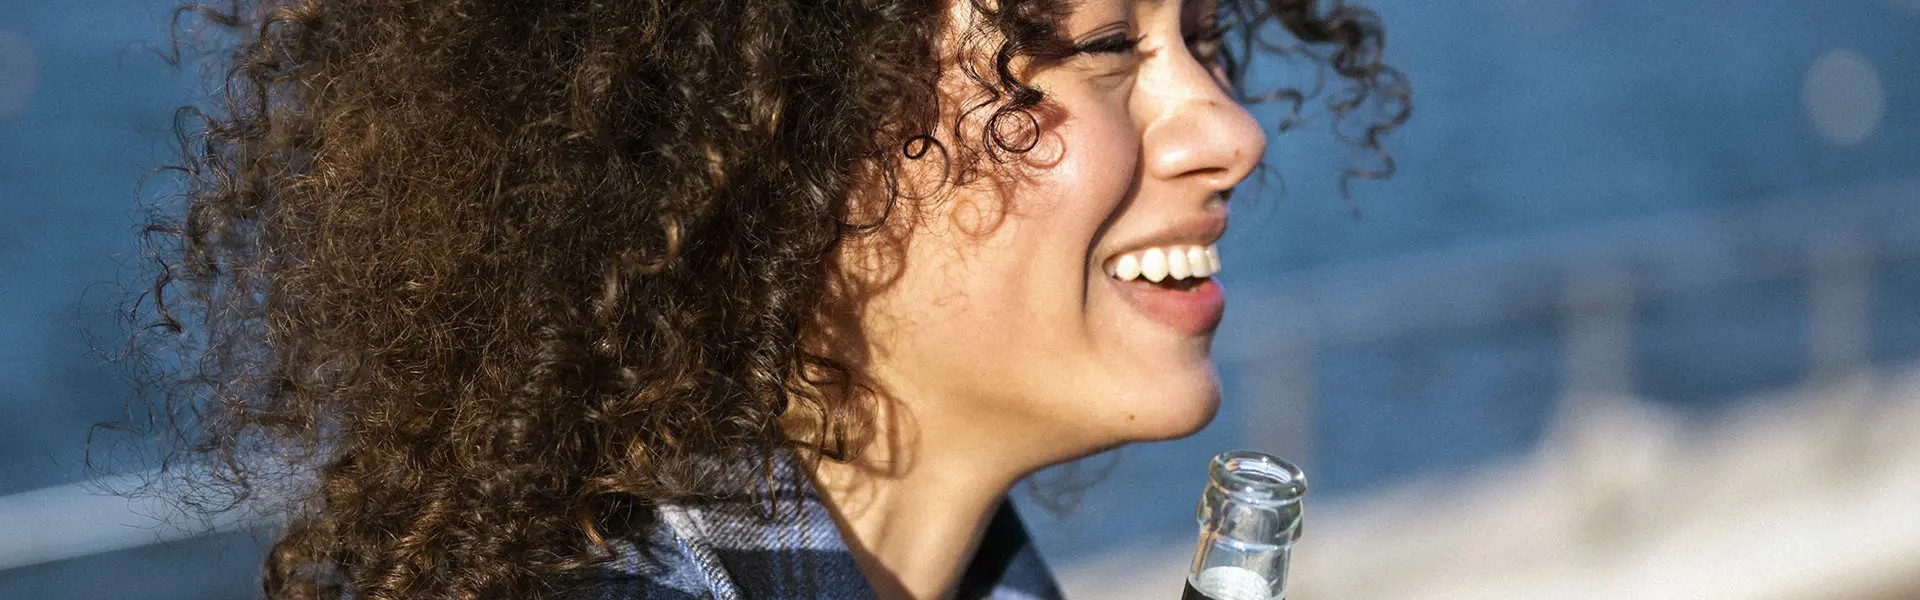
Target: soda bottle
[(1249, 518)]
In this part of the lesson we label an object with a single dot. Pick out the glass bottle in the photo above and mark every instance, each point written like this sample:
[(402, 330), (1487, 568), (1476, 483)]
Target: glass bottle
[(1249, 518)]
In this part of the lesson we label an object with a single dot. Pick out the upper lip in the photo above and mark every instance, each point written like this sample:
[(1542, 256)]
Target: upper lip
[(1198, 229)]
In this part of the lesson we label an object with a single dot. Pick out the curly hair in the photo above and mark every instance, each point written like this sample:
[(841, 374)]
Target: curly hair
[(485, 276)]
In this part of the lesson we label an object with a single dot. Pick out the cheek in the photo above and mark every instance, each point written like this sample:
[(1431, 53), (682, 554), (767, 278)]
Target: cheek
[(1084, 170), (1007, 271), (996, 284)]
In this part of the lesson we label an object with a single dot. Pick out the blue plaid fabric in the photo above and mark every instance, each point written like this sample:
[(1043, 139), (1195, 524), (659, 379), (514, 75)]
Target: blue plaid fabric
[(729, 548)]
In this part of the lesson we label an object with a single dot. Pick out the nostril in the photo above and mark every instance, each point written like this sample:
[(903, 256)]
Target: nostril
[(1213, 174), (1221, 178)]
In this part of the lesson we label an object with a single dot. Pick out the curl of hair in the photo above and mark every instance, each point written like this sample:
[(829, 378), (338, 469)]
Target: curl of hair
[(493, 274)]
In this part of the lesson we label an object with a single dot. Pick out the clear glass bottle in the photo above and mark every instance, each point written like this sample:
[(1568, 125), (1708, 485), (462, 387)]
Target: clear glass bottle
[(1249, 518)]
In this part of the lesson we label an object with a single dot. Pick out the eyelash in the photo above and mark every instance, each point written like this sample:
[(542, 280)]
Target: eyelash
[(1123, 44), (1112, 44)]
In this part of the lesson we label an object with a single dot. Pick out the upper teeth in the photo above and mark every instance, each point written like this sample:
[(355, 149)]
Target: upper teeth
[(1165, 262)]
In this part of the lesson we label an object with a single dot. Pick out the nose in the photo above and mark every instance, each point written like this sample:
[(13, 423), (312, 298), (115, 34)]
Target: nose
[(1197, 130)]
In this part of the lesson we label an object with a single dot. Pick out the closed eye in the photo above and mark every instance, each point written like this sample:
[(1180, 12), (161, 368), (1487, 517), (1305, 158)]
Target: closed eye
[(1118, 43), (1111, 39)]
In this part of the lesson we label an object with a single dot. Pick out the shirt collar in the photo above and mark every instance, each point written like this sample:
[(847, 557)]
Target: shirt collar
[(743, 551)]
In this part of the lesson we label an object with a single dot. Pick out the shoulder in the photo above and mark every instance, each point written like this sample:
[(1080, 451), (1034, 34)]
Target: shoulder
[(623, 587), (650, 563)]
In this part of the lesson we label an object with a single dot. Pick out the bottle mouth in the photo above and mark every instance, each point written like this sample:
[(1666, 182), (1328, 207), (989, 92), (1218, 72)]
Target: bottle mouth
[(1257, 477)]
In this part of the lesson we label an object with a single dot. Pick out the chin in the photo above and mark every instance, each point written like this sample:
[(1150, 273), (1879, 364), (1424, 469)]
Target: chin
[(1175, 413)]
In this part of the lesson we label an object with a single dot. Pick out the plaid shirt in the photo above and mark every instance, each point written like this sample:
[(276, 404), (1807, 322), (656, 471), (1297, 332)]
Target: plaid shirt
[(728, 549)]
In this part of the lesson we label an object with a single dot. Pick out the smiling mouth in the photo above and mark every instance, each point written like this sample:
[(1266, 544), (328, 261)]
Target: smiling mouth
[(1178, 266), (1172, 285)]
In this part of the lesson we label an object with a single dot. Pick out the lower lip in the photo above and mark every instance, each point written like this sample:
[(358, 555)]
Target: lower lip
[(1195, 311)]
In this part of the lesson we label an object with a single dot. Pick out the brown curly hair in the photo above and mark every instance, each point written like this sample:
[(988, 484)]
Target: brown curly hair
[(465, 280)]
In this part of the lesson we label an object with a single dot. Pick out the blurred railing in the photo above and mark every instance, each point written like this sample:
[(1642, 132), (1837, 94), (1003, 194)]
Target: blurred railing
[(1830, 238), (1805, 491)]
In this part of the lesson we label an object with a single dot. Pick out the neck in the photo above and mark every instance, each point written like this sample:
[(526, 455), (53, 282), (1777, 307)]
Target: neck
[(915, 504)]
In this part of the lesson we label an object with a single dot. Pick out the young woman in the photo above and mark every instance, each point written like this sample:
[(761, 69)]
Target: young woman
[(732, 299)]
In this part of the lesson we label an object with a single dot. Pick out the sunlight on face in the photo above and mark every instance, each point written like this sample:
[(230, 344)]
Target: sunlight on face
[(1011, 318)]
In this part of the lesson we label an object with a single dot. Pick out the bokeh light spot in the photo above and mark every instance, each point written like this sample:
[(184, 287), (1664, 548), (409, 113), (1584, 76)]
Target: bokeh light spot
[(18, 74), (1843, 97)]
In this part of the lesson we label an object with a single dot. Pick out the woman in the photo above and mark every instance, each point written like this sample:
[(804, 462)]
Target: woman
[(703, 299)]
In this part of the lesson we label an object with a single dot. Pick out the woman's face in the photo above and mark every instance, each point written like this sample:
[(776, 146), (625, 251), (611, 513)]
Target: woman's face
[(1008, 321)]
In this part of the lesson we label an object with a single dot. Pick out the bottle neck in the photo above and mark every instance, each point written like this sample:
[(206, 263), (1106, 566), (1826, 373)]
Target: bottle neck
[(1249, 516)]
